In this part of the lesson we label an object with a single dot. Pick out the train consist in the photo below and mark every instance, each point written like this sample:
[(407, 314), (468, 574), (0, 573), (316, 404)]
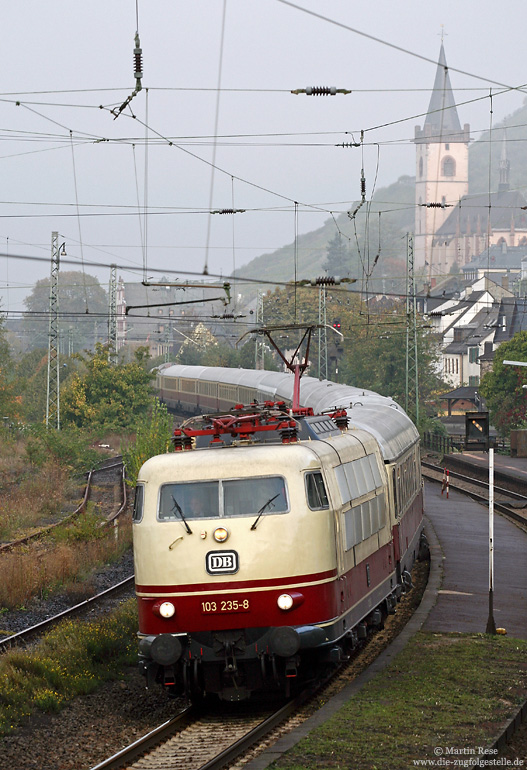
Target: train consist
[(273, 540)]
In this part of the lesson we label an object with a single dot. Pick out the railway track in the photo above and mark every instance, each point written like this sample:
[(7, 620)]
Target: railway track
[(202, 741), (78, 610), (195, 740), (513, 505), (110, 471)]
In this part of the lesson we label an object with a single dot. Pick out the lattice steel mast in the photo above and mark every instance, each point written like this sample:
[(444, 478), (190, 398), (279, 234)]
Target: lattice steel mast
[(412, 369), (112, 316), (53, 386), (322, 334), (259, 350)]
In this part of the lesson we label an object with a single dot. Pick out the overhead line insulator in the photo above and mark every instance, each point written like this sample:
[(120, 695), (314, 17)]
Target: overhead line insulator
[(138, 63), (228, 211), (436, 205), (326, 280), (320, 91)]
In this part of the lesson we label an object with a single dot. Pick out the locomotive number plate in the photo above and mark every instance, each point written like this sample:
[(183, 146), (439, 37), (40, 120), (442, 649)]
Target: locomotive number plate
[(225, 605)]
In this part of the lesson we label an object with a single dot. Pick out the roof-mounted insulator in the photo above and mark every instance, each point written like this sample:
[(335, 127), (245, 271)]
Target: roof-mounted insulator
[(326, 280), (340, 417), (138, 63), (288, 432), (182, 442), (320, 91)]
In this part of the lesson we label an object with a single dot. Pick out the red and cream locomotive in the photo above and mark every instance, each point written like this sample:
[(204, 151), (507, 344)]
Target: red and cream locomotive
[(279, 544)]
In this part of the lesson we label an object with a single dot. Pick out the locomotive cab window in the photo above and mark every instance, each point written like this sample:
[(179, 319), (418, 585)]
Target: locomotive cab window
[(243, 497), (137, 513), (317, 497), (229, 498), (197, 500)]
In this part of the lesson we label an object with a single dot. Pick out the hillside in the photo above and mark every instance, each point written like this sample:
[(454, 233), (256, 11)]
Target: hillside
[(396, 204), (312, 247)]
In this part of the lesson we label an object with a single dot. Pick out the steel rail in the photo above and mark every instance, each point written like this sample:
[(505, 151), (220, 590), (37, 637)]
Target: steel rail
[(167, 730), (160, 734), (476, 482), (78, 609), (505, 510), (259, 732), (80, 508)]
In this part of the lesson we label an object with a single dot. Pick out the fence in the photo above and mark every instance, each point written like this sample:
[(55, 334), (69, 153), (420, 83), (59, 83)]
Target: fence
[(447, 444)]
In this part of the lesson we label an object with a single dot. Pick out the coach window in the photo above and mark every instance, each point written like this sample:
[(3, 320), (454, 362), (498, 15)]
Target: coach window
[(317, 497), (137, 513)]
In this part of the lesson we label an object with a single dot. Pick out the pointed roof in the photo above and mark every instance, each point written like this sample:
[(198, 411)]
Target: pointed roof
[(442, 111), (442, 121)]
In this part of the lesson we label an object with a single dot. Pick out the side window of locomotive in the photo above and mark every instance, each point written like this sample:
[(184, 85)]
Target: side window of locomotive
[(317, 497), (139, 500), (194, 500), (243, 497)]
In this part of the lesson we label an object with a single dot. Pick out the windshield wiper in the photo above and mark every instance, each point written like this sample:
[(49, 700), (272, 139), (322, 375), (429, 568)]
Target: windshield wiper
[(262, 509), (183, 519)]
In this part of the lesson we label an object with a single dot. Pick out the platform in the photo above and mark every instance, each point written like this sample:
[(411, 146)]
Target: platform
[(505, 467), (461, 525)]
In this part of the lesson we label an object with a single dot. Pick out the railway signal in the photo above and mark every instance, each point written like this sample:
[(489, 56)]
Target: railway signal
[(477, 439)]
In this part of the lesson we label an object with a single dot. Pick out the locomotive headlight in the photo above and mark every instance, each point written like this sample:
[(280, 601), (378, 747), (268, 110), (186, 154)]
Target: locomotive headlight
[(165, 609), (285, 601), (290, 601), (220, 535)]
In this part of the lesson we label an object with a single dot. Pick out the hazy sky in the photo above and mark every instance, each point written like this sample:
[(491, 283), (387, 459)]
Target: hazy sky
[(62, 60)]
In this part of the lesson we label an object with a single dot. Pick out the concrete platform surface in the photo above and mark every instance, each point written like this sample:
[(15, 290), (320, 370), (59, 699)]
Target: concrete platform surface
[(461, 526)]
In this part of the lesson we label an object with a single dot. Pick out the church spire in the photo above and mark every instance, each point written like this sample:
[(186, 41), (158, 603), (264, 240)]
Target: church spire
[(504, 183), (442, 114)]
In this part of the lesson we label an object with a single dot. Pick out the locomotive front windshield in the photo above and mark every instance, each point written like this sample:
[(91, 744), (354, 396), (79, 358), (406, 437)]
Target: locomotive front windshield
[(215, 499)]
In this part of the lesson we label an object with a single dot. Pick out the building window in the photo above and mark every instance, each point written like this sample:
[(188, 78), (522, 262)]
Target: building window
[(447, 146), (473, 380), (420, 167), (443, 202), (449, 166), (473, 354), (457, 365)]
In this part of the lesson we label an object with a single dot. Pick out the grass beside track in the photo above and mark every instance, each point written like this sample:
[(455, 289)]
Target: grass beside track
[(448, 692), (72, 659)]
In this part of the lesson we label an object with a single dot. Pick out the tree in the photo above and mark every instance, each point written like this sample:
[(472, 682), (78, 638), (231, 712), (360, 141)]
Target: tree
[(106, 397), (337, 257), (9, 397), (502, 387), (82, 302), (153, 438)]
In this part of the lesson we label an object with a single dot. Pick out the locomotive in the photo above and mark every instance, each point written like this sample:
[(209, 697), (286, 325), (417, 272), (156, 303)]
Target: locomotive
[(276, 537)]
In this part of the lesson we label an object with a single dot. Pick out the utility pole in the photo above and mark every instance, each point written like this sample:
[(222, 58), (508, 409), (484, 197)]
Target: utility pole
[(53, 386), (112, 316), (412, 369), (322, 334)]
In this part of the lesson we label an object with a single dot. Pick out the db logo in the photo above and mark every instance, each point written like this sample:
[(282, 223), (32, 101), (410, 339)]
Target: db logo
[(222, 562)]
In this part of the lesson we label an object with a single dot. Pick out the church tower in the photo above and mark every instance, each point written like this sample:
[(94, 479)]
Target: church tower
[(441, 171)]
